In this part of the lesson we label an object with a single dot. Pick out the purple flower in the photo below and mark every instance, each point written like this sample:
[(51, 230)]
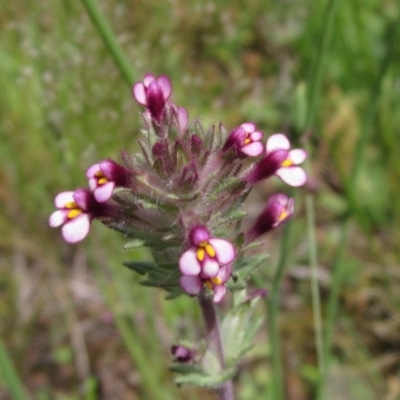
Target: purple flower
[(288, 172), (278, 209), (153, 93), (193, 284), (206, 262), (280, 161), (182, 354), (75, 211), (206, 255), (104, 177), (245, 139), (182, 118)]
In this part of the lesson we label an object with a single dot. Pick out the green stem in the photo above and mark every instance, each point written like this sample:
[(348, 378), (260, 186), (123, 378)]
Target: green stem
[(273, 325), (313, 96), (106, 33), (339, 266), (319, 62), (10, 376), (316, 300)]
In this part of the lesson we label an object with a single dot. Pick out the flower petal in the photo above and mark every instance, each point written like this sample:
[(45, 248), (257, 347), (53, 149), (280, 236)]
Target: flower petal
[(249, 127), (58, 218), (90, 173), (277, 141), (293, 176), (63, 198), (139, 93), (165, 85), (219, 293), (209, 269), (297, 156), (224, 250), (182, 117), (255, 136), (82, 198), (191, 284), (224, 273), (108, 168), (76, 229), (148, 79), (199, 234), (104, 192), (188, 263), (253, 149), (92, 184)]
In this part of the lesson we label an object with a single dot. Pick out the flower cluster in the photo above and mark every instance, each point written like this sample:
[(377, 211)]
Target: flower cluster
[(77, 209), (207, 263), (182, 194)]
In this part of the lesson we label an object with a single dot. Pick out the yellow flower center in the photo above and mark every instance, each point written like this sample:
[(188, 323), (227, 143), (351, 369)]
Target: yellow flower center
[(287, 163), (74, 213), (101, 179), (200, 253), (75, 210), (203, 248), (213, 281), (216, 280), (71, 205), (282, 215)]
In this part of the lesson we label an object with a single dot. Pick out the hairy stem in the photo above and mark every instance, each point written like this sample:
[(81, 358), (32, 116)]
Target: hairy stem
[(215, 342)]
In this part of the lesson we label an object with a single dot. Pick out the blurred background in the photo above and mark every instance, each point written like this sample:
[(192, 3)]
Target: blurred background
[(73, 321)]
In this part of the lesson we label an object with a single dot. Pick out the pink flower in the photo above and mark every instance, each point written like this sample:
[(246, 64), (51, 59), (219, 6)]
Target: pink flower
[(182, 118), (288, 172), (279, 208), (206, 255), (194, 284), (183, 354), (245, 139), (104, 177), (75, 212), (207, 262), (280, 161), (153, 93)]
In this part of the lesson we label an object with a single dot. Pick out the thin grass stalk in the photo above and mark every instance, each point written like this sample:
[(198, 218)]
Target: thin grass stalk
[(318, 66), (11, 379), (316, 298), (313, 96), (108, 36), (273, 323), (338, 265), (150, 382)]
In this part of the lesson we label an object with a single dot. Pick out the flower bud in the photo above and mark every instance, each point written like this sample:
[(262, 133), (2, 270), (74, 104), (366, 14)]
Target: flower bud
[(278, 209)]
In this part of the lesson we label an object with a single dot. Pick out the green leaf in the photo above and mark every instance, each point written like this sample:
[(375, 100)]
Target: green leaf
[(239, 328), (163, 275), (191, 374), (229, 183), (243, 269), (134, 244), (141, 267)]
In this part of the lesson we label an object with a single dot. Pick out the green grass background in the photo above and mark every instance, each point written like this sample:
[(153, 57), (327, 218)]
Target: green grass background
[(74, 323)]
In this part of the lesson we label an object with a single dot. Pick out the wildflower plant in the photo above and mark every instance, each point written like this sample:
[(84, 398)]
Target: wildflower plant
[(182, 195)]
